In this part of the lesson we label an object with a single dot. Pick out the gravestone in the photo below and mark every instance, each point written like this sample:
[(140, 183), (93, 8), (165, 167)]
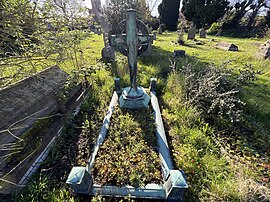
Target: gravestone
[(202, 33), (154, 35), (265, 50), (108, 54), (106, 27), (191, 33), (227, 46), (160, 31), (33, 97), (179, 53)]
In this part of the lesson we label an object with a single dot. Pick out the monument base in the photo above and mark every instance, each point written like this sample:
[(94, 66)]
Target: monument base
[(134, 99)]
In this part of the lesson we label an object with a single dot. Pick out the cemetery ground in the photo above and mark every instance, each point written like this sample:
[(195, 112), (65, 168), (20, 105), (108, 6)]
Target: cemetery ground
[(223, 160)]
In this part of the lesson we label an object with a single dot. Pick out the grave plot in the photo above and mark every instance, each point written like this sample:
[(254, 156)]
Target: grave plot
[(129, 155), (128, 159)]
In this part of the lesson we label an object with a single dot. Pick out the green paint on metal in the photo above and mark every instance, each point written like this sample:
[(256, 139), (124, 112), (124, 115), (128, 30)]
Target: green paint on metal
[(134, 99), (132, 43), (80, 180)]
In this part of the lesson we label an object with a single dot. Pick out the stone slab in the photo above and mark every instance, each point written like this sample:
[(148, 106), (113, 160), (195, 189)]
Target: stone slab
[(227, 46), (28, 99)]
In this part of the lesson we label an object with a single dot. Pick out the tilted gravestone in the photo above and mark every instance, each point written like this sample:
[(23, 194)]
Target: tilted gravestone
[(23, 102), (191, 33), (227, 46), (265, 50), (202, 33)]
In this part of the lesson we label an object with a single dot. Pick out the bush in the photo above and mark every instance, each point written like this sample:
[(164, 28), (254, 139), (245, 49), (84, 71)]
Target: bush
[(215, 94), (215, 27)]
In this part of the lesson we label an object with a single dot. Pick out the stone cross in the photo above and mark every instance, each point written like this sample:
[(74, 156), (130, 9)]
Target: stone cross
[(131, 40)]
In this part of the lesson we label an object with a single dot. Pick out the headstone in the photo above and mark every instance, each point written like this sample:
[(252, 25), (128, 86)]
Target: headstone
[(202, 33), (33, 97), (160, 31), (154, 35), (108, 54), (179, 53), (265, 50), (191, 33), (227, 46)]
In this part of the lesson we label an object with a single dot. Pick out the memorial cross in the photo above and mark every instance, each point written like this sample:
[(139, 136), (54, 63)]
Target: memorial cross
[(131, 42)]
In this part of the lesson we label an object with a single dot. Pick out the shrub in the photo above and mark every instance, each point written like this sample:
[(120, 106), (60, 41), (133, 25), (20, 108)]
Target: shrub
[(215, 94), (215, 27)]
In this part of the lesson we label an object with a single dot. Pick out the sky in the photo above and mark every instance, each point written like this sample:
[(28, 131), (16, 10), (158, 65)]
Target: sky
[(153, 4)]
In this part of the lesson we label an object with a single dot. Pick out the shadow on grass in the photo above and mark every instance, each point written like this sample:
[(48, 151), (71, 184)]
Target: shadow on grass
[(160, 59)]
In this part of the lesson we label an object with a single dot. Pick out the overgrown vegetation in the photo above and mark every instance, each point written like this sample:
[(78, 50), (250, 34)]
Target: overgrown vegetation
[(40, 35), (129, 154), (220, 164)]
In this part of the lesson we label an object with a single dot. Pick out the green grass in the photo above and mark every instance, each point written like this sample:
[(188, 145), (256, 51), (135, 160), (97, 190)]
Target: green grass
[(65, 49), (217, 168), (234, 173)]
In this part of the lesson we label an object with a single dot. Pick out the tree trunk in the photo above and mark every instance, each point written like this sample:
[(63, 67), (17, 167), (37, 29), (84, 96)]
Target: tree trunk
[(252, 18)]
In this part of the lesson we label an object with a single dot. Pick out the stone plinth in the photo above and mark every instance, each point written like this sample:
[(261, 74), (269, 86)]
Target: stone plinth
[(134, 99)]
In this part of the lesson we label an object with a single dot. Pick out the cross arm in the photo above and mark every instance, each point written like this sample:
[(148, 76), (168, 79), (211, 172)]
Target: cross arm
[(119, 41)]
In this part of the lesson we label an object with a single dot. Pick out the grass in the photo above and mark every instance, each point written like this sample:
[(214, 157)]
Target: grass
[(218, 168), (71, 50)]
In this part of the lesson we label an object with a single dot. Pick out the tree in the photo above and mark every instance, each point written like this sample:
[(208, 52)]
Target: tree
[(255, 10), (69, 12), (115, 10), (204, 12), (169, 13), (17, 24), (239, 11), (242, 15)]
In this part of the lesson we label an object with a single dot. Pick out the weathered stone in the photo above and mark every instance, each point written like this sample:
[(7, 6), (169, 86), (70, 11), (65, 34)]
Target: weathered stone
[(154, 35), (33, 97), (108, 54), (202, 33), (148, 51), (227, 46), (191, 33), (160, 31), (265, 50), (179, 53)]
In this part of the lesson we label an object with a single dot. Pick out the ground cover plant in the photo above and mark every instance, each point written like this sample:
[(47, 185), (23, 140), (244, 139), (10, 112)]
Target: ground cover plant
[(220, 165), (129, 154)]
